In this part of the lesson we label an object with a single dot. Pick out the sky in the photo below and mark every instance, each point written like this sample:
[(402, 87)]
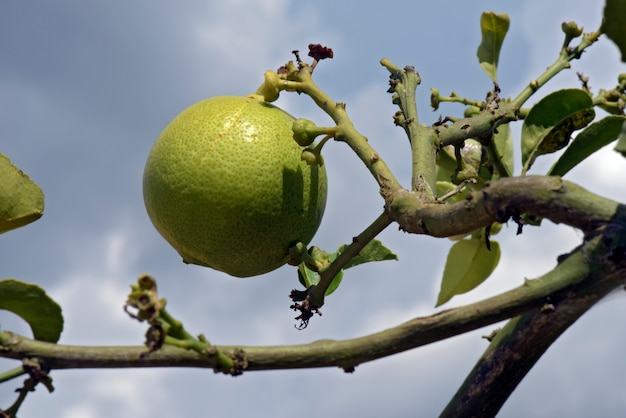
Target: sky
[(85, 89)]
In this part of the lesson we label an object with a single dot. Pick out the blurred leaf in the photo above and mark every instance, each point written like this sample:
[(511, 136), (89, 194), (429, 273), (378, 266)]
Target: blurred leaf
[(621, 141), (493, 28), (21, 200), (551, 121), (446, 163), (503, 141), (590, 140), (33, 305), (334, 284), (373, 251), (614, 24), (308, 278), (469, 263)]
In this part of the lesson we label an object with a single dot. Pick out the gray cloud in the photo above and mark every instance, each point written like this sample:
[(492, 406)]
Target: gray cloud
[(86, 88)]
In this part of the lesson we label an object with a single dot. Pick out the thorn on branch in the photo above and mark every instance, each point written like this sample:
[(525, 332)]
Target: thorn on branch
[(520, 224), (492, 335), (584, 81), (38, 373), (493, 98), (297, 54)]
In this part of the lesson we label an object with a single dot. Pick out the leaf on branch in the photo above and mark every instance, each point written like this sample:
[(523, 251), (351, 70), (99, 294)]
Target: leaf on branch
[(590, 140), (614, 24), (373, 251), (469, 263), (33, 305), (493, 27), (621, 141), (551, 122), (503, 140), (308, 277), (21, 199)]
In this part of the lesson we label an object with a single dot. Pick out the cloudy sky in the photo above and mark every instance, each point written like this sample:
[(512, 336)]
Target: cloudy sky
[(86, 87)]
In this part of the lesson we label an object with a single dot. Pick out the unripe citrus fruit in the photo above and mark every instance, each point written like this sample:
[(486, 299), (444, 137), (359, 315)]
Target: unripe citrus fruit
[(225, 186)]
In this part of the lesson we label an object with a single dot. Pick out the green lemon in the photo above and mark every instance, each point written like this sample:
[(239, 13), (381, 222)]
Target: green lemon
[(224, 184)]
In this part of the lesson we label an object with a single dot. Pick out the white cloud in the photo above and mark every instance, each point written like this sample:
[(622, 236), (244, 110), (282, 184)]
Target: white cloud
[(241, 38), (85, 409), (93, 294)]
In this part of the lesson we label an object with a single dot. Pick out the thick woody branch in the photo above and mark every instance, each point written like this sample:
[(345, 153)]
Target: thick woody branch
[(543, 197), (519, 345)]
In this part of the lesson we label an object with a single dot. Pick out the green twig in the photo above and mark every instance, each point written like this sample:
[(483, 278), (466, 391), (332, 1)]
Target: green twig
[(424, 144), (12, 374), (562, 62), (29, 386), (316, 293), (298, 79)]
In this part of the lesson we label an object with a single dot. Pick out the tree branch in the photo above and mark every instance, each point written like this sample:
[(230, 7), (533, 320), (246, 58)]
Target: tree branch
[(570, 275), (519, 345), (543, 197)]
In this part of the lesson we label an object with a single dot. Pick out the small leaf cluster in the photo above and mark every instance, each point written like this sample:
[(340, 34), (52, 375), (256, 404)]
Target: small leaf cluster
[(548, 126)]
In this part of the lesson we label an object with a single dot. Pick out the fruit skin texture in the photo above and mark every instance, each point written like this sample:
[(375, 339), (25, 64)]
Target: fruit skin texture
[(225, 186)]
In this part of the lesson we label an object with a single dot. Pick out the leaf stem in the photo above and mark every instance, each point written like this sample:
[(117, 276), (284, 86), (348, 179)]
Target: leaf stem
[(12, 374)]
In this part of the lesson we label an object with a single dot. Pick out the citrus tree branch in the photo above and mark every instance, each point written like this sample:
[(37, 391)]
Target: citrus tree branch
[(572, 274), (484, 123), (299, 79), (519, 345), (543, 197), (561, 63), (424, 145)]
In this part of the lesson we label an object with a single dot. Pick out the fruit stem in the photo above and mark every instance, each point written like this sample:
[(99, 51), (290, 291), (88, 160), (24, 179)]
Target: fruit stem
[(299, 80)]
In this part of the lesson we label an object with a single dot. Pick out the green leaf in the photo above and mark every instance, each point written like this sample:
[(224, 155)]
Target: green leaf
[(21, 199), (551, 121), (590, 140), (33, 305), (503, 141), (334, 284), (621, 141), (308, 277), (493, 28), (614, 24), (469, 263), (373, 251)]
